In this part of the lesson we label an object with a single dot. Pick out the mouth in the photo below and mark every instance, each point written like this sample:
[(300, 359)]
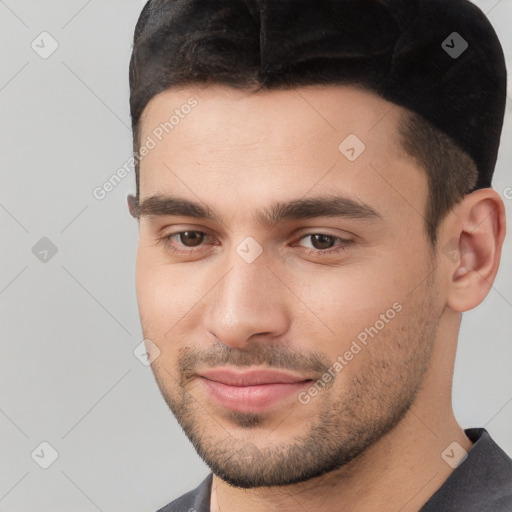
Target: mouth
[(253, 389)]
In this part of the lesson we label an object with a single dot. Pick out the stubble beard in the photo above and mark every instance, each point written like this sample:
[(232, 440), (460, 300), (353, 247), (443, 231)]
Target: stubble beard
[(372, 404)]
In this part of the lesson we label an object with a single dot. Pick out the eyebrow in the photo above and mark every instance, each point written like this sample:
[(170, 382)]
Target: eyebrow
[(296, 209)]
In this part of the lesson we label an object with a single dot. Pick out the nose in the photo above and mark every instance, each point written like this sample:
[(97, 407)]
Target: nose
[(249, 300)]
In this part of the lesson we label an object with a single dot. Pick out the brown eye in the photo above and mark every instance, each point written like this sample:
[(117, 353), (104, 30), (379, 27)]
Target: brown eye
[(186, 243), (191, 238), (320, 241), (324, 245)]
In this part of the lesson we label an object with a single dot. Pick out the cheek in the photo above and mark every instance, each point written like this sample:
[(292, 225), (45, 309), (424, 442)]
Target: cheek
[(156, 292), (161, 298), (159, 311), (168, 300), (364, 309), (347, 300)]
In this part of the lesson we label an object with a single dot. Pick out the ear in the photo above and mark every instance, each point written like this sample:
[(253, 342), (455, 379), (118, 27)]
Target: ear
[(473, 240), (132, 205)]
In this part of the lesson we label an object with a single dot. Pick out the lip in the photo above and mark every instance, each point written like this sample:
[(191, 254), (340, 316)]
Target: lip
[(251, 390)]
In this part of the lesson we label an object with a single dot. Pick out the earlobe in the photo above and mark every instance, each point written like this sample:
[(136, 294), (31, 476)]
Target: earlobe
[(478, 231)]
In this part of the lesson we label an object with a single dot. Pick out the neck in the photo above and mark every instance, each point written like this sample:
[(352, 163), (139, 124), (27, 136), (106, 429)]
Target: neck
[(400, 471)]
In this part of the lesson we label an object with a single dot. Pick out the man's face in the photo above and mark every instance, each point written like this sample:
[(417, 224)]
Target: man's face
[(285, 348)]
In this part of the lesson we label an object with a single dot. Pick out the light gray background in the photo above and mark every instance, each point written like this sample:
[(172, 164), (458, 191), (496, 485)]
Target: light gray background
[(69, 325)]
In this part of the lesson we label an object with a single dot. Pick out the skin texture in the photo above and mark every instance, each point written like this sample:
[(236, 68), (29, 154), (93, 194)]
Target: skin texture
[(373, 437)]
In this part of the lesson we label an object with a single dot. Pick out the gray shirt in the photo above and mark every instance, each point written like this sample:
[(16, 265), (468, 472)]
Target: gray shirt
[(481, 483)]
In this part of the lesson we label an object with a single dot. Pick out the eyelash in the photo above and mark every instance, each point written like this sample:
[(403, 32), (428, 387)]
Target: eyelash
[(342, 246)]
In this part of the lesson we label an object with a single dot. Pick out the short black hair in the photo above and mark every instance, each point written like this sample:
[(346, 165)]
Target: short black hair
[(213, 49)]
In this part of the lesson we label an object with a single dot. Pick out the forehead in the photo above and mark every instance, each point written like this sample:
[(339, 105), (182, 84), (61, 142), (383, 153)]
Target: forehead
[(221, 141), (267, 116)]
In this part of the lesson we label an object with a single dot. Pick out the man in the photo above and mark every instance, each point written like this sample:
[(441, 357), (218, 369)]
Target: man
[(315, 214)]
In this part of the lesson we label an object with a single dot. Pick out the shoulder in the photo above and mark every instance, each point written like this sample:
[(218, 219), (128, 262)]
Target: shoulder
[(482, 482), (197, 500)]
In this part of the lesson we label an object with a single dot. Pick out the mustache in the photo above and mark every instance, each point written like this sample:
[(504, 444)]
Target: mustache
[(261, 354)]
